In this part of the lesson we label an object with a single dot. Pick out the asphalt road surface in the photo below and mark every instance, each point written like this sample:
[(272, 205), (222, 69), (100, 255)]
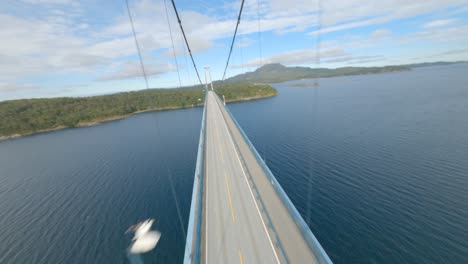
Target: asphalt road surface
[(244, 221)]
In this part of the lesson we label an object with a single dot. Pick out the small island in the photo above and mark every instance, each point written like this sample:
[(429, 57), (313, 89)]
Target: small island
[(30, 116)]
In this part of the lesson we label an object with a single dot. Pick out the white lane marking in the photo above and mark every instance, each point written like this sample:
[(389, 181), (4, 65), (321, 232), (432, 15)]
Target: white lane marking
[(250, 188)]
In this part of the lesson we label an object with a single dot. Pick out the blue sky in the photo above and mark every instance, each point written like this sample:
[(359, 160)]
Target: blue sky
[(54, 48)]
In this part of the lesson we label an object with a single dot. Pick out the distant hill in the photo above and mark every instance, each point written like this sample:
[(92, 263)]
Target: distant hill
[(273, 73), (438, 63)]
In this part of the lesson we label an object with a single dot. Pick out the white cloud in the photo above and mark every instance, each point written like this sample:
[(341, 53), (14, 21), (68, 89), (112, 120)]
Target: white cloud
[(48, 44), (383, 38), (56, 44), (351, 25), (437, 34), (243, 42), (60, 39), (61, 2), (132, 69), (451, 52), (35, 47), (356, 59), (297, 57), (380, 34), (341, 15), (439, 23), (13, 87)]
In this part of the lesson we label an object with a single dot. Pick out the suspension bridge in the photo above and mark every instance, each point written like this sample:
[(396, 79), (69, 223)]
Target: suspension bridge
[(239, 212)]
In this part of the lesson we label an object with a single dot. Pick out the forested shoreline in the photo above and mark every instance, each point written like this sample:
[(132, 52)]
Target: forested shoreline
[(30, 116)]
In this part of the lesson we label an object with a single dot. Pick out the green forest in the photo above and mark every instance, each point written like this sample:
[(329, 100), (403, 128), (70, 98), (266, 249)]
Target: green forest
[(237, 92), (28, 116)]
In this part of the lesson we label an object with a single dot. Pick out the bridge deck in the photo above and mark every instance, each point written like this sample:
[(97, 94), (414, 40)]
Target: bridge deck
[(244, 219)]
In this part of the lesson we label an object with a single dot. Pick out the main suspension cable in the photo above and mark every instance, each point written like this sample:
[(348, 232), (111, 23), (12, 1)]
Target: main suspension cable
[(186, 42)]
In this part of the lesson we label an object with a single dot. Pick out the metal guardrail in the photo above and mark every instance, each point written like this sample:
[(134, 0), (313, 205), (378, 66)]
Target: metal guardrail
[(193, 240), (312, 242)]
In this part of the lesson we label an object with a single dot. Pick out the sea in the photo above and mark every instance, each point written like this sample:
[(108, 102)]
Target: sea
[(377, 165)]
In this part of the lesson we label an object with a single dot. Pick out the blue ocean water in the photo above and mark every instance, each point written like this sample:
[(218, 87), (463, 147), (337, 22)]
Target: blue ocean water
[(376, 164)]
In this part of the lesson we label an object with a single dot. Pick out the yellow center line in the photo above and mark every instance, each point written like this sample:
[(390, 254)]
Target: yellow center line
[(221, 152), (241, 260), (230, 200)]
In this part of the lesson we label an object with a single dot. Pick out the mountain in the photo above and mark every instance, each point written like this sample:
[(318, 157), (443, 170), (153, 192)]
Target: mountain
[(275, 72)]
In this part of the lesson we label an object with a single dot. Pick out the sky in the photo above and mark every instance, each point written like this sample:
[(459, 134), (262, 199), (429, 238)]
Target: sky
[(54, 48)]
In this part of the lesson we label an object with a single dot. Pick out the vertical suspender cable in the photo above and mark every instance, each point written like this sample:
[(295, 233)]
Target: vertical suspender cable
[(174, 194), (314, 113), (259, 30), (242, 56), (172, 42), (233, 39), (318, 41), (156, 122), (137, 45)]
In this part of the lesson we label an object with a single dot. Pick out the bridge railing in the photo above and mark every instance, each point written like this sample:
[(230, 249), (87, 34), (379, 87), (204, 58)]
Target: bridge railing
[(312, 242), (193, 240)]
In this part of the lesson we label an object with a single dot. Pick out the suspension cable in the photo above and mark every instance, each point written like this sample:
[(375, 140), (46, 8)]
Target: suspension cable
[(315, 108), (242, 56), (259, 33), (233, 38), (172, 41), (186, 42), (319, 39), (158, 129), (137, 45)]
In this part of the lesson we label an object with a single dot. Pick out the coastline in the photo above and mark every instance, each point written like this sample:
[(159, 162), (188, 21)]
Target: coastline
[(114, 118), (252, 98)]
